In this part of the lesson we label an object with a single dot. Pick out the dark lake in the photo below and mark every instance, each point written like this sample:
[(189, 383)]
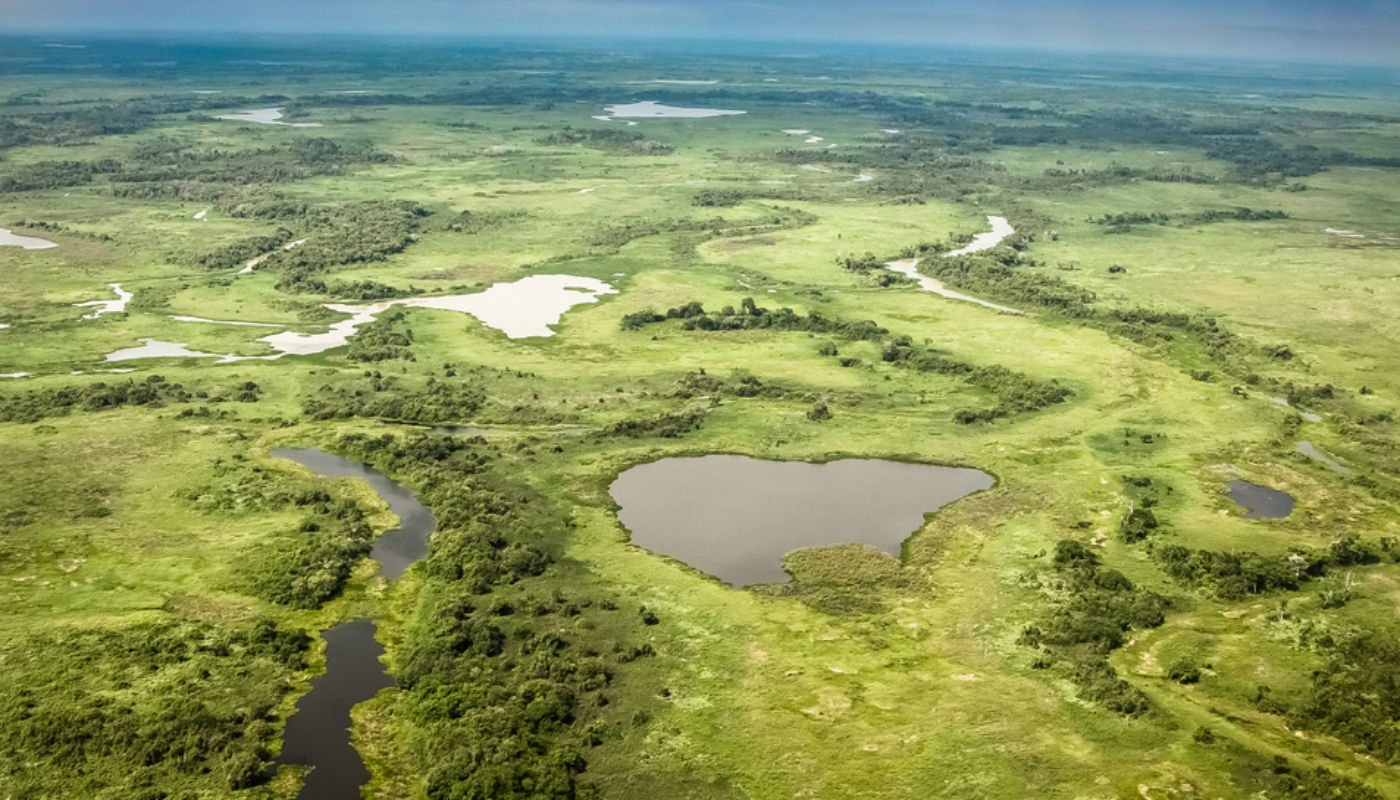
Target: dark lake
[(318, 732), (1260, 502), (735, 517)]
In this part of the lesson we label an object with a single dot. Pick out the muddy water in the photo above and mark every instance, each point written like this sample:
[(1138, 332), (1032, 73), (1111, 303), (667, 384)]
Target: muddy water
[(318, 733), (9, 238), (520, 309), (1260, 502), (735, 517)]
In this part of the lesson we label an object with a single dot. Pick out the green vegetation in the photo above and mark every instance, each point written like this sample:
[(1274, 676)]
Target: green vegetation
[(1202, 278), (501, 693)]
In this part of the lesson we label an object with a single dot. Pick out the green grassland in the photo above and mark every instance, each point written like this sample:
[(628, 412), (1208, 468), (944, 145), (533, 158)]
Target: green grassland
[(149, 542)]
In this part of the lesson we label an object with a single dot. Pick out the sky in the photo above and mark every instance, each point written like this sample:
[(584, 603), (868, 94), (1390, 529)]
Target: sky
[(1364, 31)]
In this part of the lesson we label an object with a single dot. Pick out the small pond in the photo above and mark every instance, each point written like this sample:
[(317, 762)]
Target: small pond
[(736, 517), (651, 108), (265, 116), (1260, 502)]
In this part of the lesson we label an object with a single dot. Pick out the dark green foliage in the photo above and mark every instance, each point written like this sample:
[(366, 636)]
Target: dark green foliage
[(750, 316), (55, 174), (68, 126), (1184, 670), (365, 290), (1240, 214), (32, 406), (1129, 218), (239, 253), (1008, 275), (614, 237), (739, 384), (1003, 277), (1350, 551), (1317, 784), (473, 222), (864, 263), (1260, 159), (1137, 524), (1234, 576), (342, 235), (307, 567), (1356, 694), (718, 198), (614, 141), (384, 339), (471, 544), (640, 319), (665, 426), (164, 167), (1016, 393), (165, 161), (375, 396), (1123, 222), (1094, 609), (819, 412), (172, 701)]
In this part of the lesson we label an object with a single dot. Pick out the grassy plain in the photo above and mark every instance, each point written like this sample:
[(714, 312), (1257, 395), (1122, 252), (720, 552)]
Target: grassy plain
[(114, 518)]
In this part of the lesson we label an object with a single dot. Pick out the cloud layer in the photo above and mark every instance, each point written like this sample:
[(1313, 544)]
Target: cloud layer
[(1354, 30)]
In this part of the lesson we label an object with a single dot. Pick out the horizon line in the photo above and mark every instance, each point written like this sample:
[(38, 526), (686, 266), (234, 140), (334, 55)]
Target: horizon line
[(117, 34)]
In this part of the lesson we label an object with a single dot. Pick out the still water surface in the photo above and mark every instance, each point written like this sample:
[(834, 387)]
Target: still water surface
[(736, 517), (1260, 502)]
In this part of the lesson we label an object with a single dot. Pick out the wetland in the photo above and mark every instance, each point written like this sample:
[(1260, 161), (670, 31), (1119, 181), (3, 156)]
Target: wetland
[(415, 427)]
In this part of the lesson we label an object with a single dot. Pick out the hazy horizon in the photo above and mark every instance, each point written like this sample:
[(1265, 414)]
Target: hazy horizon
[(1359, 31)]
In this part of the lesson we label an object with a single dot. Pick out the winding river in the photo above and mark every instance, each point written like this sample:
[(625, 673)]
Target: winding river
[(318, 732)]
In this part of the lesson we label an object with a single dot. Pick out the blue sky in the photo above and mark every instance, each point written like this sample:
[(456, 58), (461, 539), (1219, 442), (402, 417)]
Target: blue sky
[(1354, 30)]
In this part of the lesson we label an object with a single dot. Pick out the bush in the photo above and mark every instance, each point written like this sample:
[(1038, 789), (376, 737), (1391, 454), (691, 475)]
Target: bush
[(154, 391), (1093, 610), (91, 712), (1184, 670)]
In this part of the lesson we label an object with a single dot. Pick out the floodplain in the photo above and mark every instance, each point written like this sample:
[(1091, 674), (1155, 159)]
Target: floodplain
[(1157, 280)]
